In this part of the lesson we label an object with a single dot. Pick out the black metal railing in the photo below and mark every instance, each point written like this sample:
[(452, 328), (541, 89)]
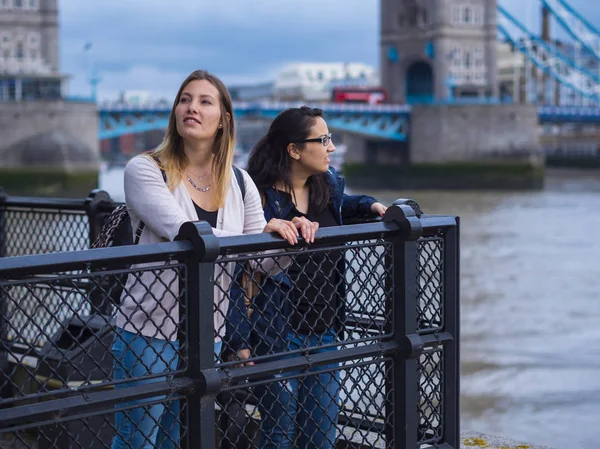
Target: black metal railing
[(381, 370)]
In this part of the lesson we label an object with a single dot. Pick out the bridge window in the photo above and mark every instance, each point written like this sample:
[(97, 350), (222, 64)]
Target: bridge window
[(6, 54), (477, 16), (34, 89), (4, 4), (19, 53), (467, 15), (18, 3), (33, 4), (455, 14), (467, 59), (412, 13), (455, 57)]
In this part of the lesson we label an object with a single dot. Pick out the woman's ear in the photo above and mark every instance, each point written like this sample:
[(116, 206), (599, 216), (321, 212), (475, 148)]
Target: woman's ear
[(293, 151)]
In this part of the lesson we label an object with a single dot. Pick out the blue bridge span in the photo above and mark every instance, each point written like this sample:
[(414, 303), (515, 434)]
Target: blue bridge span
[(389, 122)]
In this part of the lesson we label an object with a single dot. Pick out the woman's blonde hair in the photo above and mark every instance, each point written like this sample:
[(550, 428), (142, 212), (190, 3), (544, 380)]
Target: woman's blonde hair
[(170, 152)]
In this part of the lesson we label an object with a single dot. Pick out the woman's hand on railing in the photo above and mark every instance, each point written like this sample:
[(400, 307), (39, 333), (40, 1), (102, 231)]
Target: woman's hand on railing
[(284, 228), (308, 228), (378, 209)]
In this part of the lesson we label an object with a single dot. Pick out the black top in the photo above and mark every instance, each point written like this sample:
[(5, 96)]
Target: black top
[(315, 279), (210, 217)]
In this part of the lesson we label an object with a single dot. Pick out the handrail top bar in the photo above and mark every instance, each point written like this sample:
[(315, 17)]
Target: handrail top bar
[(431, 221), (349, 233), (43, 203), (333, 234), (121, 255), (49, 263)]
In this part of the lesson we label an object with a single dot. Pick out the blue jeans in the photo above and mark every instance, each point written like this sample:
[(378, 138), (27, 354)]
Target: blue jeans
[(152, 426), (306, 406)]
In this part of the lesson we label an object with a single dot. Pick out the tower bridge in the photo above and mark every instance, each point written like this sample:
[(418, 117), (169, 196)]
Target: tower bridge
[(466, 81), (449, 67)]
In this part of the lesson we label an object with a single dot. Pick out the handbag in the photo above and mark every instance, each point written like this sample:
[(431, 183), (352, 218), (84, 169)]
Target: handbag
[(250, 283)]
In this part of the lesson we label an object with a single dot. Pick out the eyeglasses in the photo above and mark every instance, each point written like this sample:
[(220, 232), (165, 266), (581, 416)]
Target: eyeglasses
[(324, 139)]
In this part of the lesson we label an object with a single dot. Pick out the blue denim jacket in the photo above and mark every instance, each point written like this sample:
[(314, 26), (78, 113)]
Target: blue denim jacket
[(266, 329)]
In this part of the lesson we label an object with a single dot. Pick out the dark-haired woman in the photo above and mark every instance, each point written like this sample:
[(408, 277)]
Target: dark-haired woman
[(290, 167)]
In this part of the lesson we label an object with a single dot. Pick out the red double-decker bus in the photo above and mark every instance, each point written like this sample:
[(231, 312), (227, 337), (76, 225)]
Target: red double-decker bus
[(369, 95)]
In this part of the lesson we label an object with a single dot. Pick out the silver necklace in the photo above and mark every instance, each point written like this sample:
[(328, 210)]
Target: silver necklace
[(200, 189), (200, 178)]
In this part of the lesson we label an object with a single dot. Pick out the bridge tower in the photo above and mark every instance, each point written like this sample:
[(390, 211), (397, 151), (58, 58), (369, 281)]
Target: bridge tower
[(49, 141), (438, 49)]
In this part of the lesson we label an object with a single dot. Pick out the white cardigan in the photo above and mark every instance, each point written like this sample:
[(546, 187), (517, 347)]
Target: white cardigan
[(149, 305)]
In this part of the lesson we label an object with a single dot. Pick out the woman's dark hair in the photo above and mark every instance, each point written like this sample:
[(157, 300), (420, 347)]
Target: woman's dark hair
[(270, 162)]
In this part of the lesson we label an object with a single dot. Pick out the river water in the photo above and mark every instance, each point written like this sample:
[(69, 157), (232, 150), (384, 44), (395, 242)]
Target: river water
[(530, 309)]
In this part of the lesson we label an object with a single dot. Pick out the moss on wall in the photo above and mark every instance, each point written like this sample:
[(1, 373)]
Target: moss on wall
[(452, 175), (48, 182)]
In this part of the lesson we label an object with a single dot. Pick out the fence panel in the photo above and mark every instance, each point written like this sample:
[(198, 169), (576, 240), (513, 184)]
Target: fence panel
[(351, 341)]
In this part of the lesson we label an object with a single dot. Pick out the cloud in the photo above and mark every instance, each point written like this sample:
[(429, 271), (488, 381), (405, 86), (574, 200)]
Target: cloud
[(153, 44), (236, 39)]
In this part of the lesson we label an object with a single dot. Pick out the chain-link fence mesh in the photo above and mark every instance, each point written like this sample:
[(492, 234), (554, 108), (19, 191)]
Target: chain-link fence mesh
[(34, 230), (65, 335), (430, 279), (342, 402), (328, 299), (430, 319), (431, 388), (133, 425), (336, 291)]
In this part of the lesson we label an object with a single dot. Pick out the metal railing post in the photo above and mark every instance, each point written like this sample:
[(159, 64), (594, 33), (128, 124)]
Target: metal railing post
[(97, 215), (3, 224), (199, 330), (4, 365), (401, 374), (451, 363)]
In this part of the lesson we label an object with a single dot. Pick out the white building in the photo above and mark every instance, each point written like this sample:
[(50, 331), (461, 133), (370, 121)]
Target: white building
[(135, 97), (311, 81)]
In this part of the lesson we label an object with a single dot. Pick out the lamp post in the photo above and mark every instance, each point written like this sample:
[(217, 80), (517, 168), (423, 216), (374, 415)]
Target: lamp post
[(94, 79)]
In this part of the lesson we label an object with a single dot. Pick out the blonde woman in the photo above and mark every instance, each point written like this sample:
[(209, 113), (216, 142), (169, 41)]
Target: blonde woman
[(189, 177)]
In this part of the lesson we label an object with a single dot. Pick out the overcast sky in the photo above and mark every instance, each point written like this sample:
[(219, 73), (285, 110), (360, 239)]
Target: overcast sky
[(153, 45)]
